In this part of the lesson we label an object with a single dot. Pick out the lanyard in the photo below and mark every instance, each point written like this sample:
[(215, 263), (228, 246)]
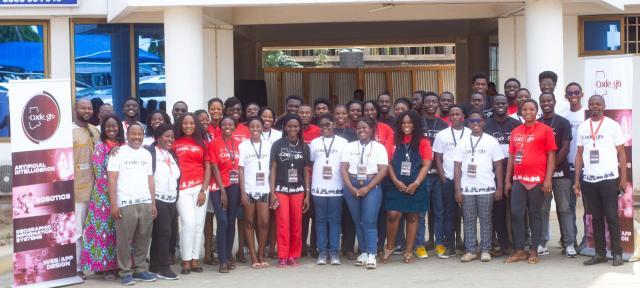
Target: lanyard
[(231, 152), (407, 149), (593, 135), (258, 153), (292, 148), (327, 152), (268, 138), (167, 160), (362, 153), (473, 147), (455, 143)]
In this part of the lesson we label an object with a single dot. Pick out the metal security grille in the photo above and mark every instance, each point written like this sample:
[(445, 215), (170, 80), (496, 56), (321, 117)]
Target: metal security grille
[(631, 39)]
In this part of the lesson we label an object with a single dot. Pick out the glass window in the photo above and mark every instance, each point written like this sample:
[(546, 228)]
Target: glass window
[(601, 35), (22, 56), (150, 65)]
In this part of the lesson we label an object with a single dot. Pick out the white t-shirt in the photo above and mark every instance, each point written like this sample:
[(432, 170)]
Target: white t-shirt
[(333, 185), (248, 160), (575, 119), (445, 144), (374, 154), (608, 137), (166, 176), (271, 136), (134, 168), (487, 151)]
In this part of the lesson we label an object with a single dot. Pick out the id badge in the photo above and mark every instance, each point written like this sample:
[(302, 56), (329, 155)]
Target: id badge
[(326, 172), (260, 179), (594, 156), (472, 170), (293, 175), (518, 157), (233, 177), (361, 173), (405, 168)]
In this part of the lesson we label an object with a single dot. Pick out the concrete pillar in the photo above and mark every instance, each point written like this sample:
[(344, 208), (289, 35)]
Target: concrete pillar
[(544, 43), (507, 53), (183, 35), (224, 61), (60, 47)]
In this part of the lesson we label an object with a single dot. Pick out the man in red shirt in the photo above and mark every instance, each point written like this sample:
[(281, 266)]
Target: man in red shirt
[(309, 131)]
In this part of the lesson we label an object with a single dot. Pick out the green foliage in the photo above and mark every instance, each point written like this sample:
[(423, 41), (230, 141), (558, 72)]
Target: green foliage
[(19, 33), (277, 58), (320, 58)]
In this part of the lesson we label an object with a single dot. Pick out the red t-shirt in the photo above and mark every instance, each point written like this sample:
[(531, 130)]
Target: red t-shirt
[(215, 132), (424, 149), (445, 119), (534, 142), (191, 159), (512, 109), (384, 135), (312, 132), (226, 160), (240, 134)]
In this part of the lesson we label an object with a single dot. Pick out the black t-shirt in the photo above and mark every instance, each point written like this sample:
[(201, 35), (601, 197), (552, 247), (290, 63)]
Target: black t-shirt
[(431, 127), (501, 130), (391, 121), (346, 133), (289, 156), (562, 131)]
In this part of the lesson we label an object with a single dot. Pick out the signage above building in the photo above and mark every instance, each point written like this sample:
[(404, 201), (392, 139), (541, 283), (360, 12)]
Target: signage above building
[(39, 3)]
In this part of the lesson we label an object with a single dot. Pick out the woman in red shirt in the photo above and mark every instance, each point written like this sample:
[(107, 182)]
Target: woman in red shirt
[(384, 133), (531, 163), (216, 109), (193, 160), (224, 156)]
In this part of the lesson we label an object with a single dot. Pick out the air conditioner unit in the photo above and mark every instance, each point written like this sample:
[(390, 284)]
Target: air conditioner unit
[(6, 175)]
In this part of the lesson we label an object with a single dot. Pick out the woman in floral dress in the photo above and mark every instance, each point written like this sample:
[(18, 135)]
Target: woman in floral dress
[(99, 239)]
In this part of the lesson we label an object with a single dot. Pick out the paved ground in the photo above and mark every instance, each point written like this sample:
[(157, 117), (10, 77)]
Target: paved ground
[(554, 270)]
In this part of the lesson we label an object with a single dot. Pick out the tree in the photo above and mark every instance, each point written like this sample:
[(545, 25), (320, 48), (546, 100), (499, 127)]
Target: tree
[(19, 33), (320, 58), (277, 58)]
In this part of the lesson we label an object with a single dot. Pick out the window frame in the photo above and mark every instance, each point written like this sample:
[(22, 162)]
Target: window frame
[(46, 45), (582, 19)]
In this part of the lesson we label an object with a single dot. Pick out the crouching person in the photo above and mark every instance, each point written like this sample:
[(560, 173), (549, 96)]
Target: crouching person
[(132, 193)]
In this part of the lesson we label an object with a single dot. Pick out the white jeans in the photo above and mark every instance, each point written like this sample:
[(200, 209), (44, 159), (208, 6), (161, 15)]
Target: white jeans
[(191, 222), (81, 215)]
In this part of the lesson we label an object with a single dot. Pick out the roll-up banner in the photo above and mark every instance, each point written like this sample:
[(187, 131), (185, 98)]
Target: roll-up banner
[(43, 203), (613, 78)]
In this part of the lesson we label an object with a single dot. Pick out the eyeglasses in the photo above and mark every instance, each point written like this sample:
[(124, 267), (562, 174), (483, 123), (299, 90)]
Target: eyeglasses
[(573, 93), (474, 120)]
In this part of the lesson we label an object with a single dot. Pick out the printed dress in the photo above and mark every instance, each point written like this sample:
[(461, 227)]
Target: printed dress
[(99, 238)]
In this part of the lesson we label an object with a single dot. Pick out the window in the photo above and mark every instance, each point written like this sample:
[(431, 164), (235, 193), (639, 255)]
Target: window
[(493, 63), (632, 27), (150, 65), (23, 55), (601, 35)]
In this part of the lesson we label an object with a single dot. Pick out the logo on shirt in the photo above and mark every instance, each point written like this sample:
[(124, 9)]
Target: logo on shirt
[(288, 155), (502, 138), (523, 138), (40, 117)]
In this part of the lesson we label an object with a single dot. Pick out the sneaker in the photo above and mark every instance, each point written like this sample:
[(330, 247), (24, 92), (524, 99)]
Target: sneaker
[(571, 251), (485, 257), (167, 274), (441, 251), (398, 250), (145, 276), (543, 250), (362, 259), (421, 252), (450, 253), (322, 258), (334, 258), (127, 280), (468, 257), (371, 261)]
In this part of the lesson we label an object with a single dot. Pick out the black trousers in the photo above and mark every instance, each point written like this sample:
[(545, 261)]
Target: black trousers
[(348, 230), (499, 215), (161, 244), (603, 205), (521, 199)]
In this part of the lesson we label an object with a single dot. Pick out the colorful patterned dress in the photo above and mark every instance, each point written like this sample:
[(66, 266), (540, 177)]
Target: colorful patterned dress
[(99, 239)]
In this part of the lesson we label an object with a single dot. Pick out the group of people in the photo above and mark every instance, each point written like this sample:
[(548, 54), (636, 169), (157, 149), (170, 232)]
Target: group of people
[(376, 170)]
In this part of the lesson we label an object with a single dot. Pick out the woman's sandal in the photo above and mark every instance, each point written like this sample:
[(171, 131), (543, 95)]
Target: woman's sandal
[(533, 259), (282, 263), (264, 264), (408, 258), (386, 255), (516, 258), (256, 265)]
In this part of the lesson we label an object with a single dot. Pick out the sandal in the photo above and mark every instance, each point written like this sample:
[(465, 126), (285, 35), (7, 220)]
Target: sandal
[(256, 265), (264, 264), (386, 254), (186, 268), (350, 255), (210, 261), (282, 263), (533, 258), (408, 258), (195, 266), (223, 268), (240, 257), (292, 261), (516, 257)]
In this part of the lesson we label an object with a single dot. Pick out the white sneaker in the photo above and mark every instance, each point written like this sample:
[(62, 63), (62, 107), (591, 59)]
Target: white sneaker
[(362, 259), (571, 251), (371, 261), (485, 257), (543, 250)]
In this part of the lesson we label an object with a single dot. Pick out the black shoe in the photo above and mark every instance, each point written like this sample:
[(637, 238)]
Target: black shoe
[(617, 260), (167, 274), (596, 260)]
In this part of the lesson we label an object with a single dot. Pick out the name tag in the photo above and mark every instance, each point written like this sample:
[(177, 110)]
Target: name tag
[(326, 172), (594, 156), (518, 157), (405, 168), (472, 170), (260, 179), (234, 177), (361, 174), (293, 175)]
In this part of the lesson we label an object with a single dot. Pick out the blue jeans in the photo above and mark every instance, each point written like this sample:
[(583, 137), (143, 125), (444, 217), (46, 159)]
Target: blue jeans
[(450, 213), (434, 188), (328, 212), (226, 220), (364, 211)]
